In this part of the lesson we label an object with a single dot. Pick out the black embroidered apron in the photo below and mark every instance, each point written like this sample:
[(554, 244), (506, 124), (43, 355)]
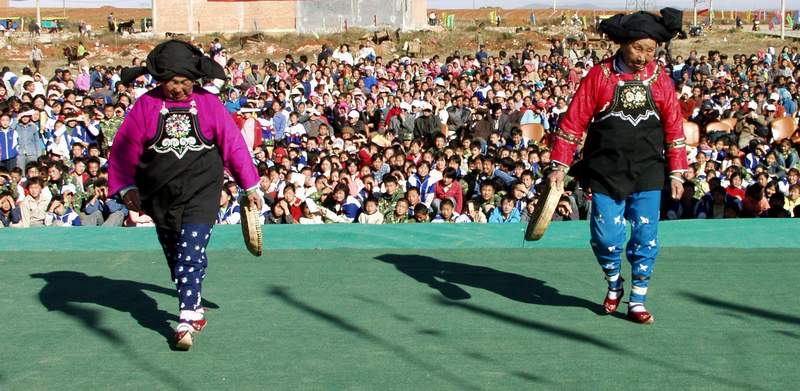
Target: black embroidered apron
[(624, 149), (179, 175)]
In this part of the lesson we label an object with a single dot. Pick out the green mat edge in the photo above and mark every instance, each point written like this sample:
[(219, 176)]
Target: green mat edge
[(736, 233)]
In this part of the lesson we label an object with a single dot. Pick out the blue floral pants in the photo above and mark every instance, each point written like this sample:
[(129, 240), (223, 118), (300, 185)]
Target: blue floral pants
[(186, 256)]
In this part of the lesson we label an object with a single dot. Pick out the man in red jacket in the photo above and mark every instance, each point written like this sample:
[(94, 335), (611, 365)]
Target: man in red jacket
[(628, 108)]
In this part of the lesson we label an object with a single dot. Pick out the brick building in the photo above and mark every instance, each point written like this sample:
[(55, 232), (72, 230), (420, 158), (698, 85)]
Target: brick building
[(208, 16)]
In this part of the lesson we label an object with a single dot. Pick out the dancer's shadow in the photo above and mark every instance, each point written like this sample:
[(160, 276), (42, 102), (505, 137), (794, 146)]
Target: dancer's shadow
[(447, 276), (64, 289)]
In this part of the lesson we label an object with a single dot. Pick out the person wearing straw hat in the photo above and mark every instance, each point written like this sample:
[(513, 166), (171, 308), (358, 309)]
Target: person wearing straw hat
[(628, 108), (167, 160)]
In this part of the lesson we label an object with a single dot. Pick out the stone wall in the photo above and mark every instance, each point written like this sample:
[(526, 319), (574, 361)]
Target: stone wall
[(209, 16)]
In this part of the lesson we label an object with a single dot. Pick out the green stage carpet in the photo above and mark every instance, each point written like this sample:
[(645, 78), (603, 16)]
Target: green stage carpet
[(401, 308)]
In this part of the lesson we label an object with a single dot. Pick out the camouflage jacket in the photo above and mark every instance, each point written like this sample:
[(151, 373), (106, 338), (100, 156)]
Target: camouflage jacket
[(390, 218), (110, 127), (387, 202)]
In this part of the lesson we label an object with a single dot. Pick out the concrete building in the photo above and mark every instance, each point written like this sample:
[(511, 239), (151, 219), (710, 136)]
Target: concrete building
[(228, 16)]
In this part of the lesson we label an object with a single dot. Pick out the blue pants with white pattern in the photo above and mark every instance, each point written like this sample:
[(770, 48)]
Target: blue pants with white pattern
[(186, 257), (608, 226)]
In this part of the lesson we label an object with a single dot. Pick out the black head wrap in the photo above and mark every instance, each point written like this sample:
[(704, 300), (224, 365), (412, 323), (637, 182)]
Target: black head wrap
[(623, 28), (171, 58)]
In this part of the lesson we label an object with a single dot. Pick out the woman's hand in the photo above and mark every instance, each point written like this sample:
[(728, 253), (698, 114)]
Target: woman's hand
[(255, 200)]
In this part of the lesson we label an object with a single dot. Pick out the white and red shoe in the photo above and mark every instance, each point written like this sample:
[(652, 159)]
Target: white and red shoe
[(638, 314), (184, 333), (610, 305)]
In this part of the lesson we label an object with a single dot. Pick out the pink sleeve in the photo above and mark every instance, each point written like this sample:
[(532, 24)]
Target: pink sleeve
[(235, 154), (126, 151)]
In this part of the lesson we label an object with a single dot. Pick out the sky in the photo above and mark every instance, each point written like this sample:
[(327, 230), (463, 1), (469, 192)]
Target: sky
[(726, 4)]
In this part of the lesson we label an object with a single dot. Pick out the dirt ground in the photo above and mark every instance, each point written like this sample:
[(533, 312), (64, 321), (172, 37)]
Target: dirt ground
[(93, 16), (471, 28)]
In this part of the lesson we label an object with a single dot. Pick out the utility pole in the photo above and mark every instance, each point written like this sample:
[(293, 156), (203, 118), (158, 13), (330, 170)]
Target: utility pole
[(554, 5), (710, 12), (38, 14), (694, 18), (783, 19), (64, 5), (154, 14)]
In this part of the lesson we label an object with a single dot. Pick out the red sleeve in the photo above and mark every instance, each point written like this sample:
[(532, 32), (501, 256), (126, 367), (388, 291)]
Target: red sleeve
[(672, 120), (576, 120), (257, 134)]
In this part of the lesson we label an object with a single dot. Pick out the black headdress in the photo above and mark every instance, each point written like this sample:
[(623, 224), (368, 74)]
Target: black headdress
[(622, 28), (171, 58)]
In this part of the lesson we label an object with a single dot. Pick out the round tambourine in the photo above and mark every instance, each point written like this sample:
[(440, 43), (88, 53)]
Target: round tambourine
[(251, 227), (545, 207)]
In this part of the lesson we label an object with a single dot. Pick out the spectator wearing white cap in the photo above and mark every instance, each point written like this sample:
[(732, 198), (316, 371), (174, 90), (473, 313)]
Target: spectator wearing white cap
[(355, 122), (403, 123), (770, 112), (751, 125)]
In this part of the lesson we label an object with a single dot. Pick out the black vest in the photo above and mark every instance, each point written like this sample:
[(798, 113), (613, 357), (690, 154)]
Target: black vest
[(624, 149), (179, 175)]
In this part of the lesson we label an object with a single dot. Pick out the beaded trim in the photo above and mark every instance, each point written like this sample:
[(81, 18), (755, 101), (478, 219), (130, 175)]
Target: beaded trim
[(679, 143), (567, 137)]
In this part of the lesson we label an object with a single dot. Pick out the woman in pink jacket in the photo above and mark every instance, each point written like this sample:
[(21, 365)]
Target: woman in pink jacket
[(167, 160)]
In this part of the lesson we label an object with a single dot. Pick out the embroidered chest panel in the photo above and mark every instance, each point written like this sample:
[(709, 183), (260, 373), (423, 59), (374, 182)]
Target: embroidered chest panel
[(179, 132)]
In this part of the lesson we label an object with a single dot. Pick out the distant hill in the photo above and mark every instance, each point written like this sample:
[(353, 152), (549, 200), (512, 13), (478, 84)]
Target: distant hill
[(562, 4), (568, 4)]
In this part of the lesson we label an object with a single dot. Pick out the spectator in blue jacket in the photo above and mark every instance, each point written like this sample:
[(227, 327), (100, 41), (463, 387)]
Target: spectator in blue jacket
[(100, 209), (31, 144), (8, 143), (506, 213), (9, 213)]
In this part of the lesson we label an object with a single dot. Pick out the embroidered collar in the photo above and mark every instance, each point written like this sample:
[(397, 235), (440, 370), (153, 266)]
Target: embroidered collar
[(192, 109), (621, 68), (619, 65)]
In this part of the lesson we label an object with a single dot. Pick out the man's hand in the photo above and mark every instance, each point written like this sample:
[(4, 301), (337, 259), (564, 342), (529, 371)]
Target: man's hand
[(564, 208), (676, 188), (132, 201), (255, 200)]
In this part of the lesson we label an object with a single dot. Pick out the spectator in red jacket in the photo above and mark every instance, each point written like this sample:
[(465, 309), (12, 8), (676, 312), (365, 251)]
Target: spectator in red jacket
[(448, 188)]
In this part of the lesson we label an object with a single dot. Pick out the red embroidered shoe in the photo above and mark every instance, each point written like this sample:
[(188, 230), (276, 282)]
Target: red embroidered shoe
[(184, 333), (183, 339), (641, 317), (610, 305), (198, 325)]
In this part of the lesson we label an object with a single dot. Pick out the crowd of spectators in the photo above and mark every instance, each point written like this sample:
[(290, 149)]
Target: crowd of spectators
[(351, 137)]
